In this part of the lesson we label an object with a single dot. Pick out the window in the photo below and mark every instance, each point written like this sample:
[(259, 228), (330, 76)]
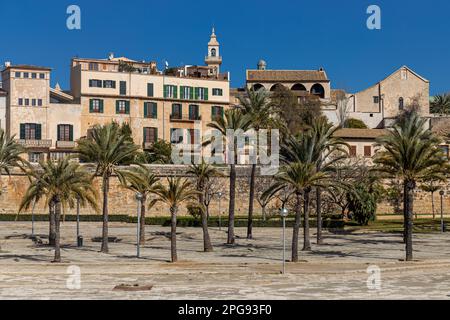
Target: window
[(40, 102), (35, 157), (176, 135), (109, 84), (217, 92), (95, 83), (367, 151), (216, 112), (33, 102), (201, 93), (149, 89), (18, 74), (170, 91), (352, 151), (194, 112), (177, 111), (65, 132), (213, 52), (150, 135), (151, 110), (186, 93), (96, 106), (30, 131), (27, 102), (123, 88), (20, 102), (34, 75), (401, 103), (376, 99), (122, 107), (41, 75), (93, 66), (26, 75)]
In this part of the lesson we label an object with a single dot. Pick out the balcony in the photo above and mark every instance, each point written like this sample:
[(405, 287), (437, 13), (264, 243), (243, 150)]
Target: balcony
[(44, 144), (184, 118), (65, 144)]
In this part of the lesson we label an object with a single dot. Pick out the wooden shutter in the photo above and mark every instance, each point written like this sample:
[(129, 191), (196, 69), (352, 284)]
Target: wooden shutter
[(22, 131), (175, 93), (101, 106), (367, 151), (352, 151), (191, 93), (182, 92), (91, 105), (149, 89), (58, 137), (146, 104), (127, 107), (166, 90), (154, 106), (70, 133), (38, 132), (197, 93), (205, 93), (117, 107)]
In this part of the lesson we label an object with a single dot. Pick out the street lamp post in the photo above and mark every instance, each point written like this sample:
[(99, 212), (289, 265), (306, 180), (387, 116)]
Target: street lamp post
[(138, 233), (32, 218), (441, 193), (220, 194), (284, 213)]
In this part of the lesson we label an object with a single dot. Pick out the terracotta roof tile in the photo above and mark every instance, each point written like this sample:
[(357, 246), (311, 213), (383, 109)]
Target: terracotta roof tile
[(360, 133)]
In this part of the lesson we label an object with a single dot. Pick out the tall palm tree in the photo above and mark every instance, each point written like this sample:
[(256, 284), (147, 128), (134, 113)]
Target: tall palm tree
[(301, 177), (203, 172), (410, 154), (60, 183), (234, 120), (176, 192), (257, 107), (108, 147), (440, 104), (141, 180)]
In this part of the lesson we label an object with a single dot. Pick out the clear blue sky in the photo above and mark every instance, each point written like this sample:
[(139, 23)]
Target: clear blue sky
[(287, 34)]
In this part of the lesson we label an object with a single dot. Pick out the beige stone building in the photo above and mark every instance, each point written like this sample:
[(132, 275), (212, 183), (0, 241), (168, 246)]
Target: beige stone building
[(3, 95), (362, 142)]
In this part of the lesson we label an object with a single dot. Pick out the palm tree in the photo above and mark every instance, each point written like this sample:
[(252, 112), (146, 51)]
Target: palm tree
[(60, 183), (235, 121), (108, 147), (432, 187), (141, 180), (203, 172), (301, 177), (440, 104), (257, 107), (176, 192), (411, 154)]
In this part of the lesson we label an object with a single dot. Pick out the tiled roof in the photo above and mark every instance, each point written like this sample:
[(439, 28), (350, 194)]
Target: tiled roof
[(286, 75), (360, 133), (28, 67)]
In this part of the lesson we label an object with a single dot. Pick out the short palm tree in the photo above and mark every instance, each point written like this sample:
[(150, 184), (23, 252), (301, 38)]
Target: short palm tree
[(108, 148), (411, 154), (59, 183), (257, 107), (234, 120), (203, 172), (432, 187), (143, 181), (440, 104), (301, 177), (174, 194)]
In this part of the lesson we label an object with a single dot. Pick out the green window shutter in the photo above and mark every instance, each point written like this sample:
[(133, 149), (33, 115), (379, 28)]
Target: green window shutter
[(166, 90), (182, 93), (196, 93), (150, 89), (175, 93), (205, 93), (71, 133), (146, 109), (91, 105), (117, 106), (191, 93), (58, 132), (221, 112), (101, 106), (22, 131), (127, 107), (155, 110), (38, 131)]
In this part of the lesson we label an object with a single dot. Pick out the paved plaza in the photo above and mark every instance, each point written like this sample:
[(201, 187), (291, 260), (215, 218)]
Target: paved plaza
[(249, 270)]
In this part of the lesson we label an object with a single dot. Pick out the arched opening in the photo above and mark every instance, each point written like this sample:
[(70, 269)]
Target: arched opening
[(258, 86), (401, 103), (277, 86), (298, 87), (318, 90), (213, 52)]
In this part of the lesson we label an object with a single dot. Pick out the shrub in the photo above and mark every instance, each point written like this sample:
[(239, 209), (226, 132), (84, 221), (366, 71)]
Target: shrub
[(363, 203), (355, 124)]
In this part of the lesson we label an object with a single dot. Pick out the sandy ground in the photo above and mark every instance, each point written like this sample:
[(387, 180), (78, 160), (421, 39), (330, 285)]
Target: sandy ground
[(250, 270)]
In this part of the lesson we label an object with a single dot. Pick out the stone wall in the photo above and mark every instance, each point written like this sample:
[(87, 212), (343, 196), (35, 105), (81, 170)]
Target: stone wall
[(122, 201)]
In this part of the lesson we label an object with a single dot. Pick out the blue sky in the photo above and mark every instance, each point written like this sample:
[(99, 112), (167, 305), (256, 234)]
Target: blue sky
[(288, 34)]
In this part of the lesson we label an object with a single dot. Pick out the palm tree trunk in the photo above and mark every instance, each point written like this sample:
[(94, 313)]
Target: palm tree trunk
[(263, 208), (142, 222), (52, 227), (251, 202), (319, 215), (105, 239), (408, 205), (306, 238), (57, 206), (231, 205), (432, 205), (207, 246), (296, 228), (173, 234)]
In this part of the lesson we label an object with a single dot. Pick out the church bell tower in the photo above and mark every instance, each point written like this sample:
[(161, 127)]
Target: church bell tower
[(213, 59)]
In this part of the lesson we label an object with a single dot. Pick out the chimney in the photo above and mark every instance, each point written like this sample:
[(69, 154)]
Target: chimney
[(7, 64)]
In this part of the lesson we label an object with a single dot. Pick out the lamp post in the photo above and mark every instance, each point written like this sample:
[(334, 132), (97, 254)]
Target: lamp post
[(79, 238), (220, 194), (284, 213), (138, 233), (441, 193), (32, 218)]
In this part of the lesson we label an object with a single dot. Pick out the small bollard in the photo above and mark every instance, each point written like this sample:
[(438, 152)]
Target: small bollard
[(80, 241)]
